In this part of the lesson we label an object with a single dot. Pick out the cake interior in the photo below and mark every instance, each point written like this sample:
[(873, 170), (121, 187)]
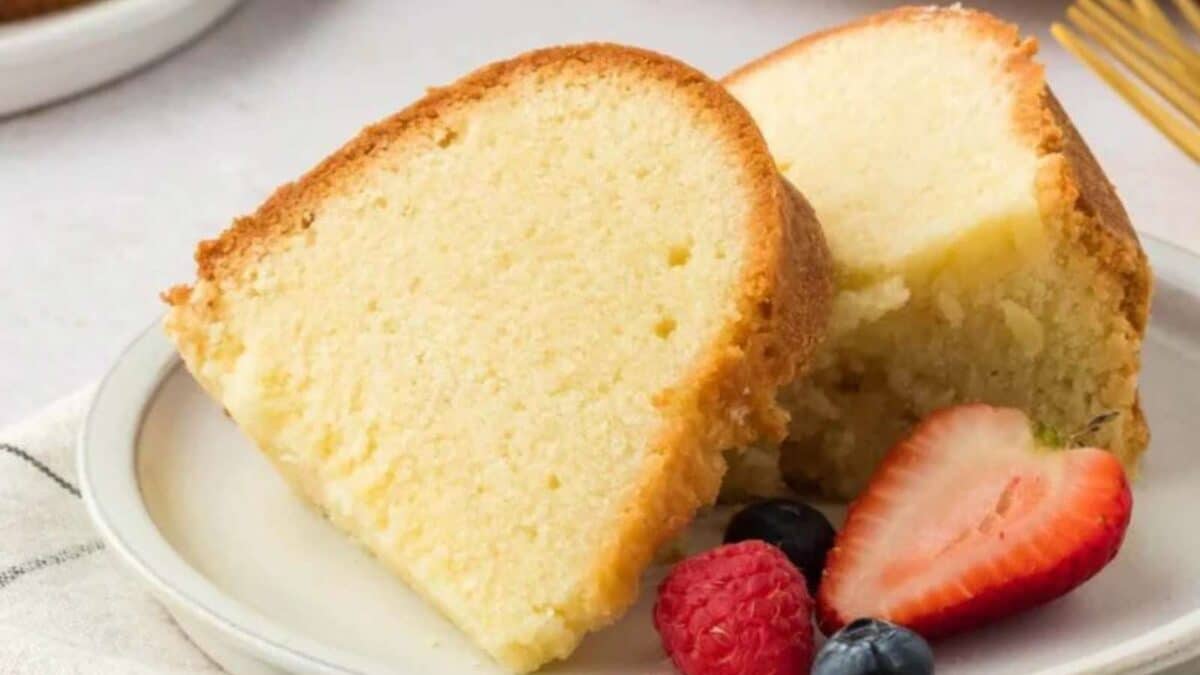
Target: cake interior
[(457, 359), (913, 143)]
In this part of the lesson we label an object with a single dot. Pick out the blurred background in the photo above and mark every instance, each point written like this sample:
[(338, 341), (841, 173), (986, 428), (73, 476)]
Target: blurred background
[(104, 195)]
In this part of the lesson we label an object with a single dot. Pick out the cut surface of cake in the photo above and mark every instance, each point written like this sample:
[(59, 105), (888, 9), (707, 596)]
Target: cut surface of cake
[(503, 337), (980, 253)]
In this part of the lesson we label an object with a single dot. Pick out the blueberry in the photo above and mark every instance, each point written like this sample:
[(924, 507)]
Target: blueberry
[(874, 647), (800, 531)]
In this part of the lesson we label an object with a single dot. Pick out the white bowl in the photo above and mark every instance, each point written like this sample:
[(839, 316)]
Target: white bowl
[(50, 57)]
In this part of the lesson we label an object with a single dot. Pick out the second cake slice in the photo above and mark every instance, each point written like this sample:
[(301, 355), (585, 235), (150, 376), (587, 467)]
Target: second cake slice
[(981, 255), (502, 337)]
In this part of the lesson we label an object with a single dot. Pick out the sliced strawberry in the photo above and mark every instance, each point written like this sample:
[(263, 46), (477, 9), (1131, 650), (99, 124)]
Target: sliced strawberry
[(970, 519)]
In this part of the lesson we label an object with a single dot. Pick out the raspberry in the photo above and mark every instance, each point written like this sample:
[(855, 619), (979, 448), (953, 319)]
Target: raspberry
[(735, 610)]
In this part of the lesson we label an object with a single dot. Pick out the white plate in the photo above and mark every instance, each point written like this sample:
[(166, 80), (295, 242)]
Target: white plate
[(267, 586), (50, 57)]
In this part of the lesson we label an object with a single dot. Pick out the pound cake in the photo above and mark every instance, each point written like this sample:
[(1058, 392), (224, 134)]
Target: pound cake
[(980, 253), (503, 337)]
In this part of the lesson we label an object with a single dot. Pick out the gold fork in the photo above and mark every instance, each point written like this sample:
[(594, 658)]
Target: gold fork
[(1140, 36)]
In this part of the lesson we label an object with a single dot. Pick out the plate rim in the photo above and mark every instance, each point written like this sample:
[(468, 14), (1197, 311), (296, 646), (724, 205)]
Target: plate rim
[(113, 499), (114, 502)]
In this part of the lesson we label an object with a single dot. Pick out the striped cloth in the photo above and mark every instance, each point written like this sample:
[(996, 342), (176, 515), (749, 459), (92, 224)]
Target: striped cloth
[(66, 606)]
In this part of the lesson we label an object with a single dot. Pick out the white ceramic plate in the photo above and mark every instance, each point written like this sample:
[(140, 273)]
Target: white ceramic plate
[(50, 57), (267, 586)]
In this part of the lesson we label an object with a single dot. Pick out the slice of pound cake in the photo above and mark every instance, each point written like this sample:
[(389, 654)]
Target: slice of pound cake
[(502, 337), (980, 254)]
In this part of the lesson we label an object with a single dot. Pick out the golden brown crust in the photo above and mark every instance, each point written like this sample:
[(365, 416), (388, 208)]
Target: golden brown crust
[(1106, 228), (11, 10), (1074, 195), (290, 207), (984, 23), (1040, 117), (730, 398), (1079, 200), (784, 298), (1028, 114)]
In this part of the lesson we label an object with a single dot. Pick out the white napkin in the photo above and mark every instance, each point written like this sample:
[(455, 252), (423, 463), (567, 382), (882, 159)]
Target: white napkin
[(66, 606)]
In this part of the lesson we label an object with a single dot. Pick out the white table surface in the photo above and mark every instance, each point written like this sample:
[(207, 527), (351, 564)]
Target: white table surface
[(103, 197)]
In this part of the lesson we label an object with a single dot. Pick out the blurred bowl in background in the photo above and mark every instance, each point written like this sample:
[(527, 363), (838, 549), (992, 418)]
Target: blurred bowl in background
[(58, 54)]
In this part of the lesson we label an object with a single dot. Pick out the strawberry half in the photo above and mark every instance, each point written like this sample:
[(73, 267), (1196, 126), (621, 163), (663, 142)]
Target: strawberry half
[(971, 518)]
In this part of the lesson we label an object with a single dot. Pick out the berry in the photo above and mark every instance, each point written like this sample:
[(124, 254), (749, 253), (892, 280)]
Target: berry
[(971, 518), (800, 531), (737, 609), (874, 647)]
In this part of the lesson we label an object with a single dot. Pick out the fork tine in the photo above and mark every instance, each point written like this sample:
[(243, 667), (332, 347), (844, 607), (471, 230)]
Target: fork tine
[(1184, 95), (1132, 17), (1125, 11), (1189, 77), (1157, 21), (1190, 11), (1184, 136)]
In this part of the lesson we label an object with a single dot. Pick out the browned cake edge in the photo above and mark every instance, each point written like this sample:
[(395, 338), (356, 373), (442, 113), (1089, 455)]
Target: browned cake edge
[(727, 400), (1074, 195), (11, 10)]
